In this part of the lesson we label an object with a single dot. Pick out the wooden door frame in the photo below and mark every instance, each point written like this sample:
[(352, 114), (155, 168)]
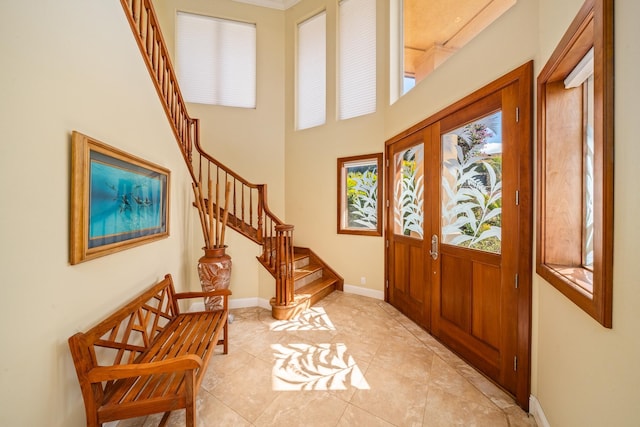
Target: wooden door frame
[(524, 76)]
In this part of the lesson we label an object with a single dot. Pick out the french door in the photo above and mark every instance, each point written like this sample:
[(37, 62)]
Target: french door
[(458, 228)]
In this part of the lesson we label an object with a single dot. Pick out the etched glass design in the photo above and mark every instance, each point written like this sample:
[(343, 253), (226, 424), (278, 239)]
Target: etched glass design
[(472, 185), (409, 192), (362, 195)]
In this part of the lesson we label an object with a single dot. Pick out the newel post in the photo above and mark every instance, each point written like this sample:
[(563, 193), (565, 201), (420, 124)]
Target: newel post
[(284, 265)]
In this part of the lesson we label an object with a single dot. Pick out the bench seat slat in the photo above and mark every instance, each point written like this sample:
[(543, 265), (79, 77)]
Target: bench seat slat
[(127, 389), (189, 333)]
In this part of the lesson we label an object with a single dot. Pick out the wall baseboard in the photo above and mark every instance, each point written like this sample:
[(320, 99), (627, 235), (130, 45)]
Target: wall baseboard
[(264, 303), (535, 409), (365, 292), (237, 303)]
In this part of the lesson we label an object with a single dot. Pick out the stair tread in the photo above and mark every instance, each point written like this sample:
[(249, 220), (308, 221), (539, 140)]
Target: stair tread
[(298, 256), (299, 273), (316, 286)]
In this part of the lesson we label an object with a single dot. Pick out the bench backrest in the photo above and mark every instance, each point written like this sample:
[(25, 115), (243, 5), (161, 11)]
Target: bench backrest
[(125, 334)]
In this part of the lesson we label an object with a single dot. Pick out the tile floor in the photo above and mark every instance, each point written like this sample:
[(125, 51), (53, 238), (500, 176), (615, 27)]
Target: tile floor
[(348, 361)]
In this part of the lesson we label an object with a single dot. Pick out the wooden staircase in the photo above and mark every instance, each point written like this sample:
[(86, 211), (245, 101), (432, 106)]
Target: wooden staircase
[(313, 280), (313, 277), (301, 277)]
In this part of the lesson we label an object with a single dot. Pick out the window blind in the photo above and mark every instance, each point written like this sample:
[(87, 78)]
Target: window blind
[(357, 58), (216, 60), (311, 77)]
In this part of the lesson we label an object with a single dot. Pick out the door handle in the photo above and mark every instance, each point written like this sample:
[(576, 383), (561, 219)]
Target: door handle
[(434, 247)]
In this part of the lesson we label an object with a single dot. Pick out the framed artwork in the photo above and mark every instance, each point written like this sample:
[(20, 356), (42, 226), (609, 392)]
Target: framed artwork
[(117, 200), (358, 194)]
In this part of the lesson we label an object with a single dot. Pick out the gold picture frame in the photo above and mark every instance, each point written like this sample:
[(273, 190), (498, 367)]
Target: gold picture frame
[(118, 200)]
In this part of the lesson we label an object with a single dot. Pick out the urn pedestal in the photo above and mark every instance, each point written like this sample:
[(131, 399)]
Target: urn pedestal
[(214, 270)]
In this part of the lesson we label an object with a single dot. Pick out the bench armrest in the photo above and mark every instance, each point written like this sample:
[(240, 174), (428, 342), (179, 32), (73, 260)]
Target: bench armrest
[(180, 363)]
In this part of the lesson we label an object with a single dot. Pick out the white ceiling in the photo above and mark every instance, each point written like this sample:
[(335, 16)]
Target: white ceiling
[(273, 4)]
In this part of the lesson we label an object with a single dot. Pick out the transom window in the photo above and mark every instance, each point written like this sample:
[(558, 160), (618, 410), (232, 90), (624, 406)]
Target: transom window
[(425, 34)]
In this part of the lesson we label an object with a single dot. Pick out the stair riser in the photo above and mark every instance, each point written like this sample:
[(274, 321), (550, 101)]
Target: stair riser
[(320, 295), (300, 263), (308, 279)]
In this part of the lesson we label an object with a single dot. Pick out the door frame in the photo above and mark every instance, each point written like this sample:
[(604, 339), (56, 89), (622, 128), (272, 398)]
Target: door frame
[(522, 75)]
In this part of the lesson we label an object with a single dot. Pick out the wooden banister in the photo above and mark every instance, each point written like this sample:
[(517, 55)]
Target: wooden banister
[(248, 212)]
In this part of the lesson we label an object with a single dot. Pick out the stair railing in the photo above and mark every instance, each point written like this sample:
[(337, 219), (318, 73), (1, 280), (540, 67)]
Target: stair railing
[(248, 212)]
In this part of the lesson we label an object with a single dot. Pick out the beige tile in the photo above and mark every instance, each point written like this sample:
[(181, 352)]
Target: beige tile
[(363, 348), (392, 397), (362, 362), (445, 409), (518, 418), (248, 391), (306, 408), (356, 417), (408, 361), (223, 368), (447, 379), (209, 412)]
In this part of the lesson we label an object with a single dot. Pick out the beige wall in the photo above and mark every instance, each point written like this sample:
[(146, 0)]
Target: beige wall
[(73, 65), (249, 141), (311, 160), (588, 375), (66, 66)]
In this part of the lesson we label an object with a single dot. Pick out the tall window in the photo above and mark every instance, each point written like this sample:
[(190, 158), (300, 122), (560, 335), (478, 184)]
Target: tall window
[(311, 78), (357, 58), (575, 163), (216, 60)]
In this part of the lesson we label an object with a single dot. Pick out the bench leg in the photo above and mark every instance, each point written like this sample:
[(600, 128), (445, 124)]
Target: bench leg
[(226, 336), (190, 397), (164, 419)]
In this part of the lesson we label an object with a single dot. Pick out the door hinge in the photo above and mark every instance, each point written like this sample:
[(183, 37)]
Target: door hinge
[(387, 202), (517, 281), (387, 243), (517, 198), (387, 162), (515, 363), (387, 283), (517, 114)]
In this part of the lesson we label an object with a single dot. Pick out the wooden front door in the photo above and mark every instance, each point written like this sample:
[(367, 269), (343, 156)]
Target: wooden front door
[(407, 265), (472, 257)]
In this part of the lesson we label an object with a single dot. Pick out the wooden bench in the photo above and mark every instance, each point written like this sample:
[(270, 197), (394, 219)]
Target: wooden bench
[(148, 357)]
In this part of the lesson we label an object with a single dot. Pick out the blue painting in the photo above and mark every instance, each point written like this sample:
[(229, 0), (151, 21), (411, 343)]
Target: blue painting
[(126, 201)]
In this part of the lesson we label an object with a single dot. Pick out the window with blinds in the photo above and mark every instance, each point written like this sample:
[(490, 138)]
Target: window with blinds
[(356, 58), (311, 72), (216, 60)]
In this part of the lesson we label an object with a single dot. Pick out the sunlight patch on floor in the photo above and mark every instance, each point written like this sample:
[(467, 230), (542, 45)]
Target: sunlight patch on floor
[(315, 367), (312, 319)]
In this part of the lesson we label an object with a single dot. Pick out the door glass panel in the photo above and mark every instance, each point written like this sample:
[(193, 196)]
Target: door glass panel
[(472, 185), (408, 211)]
